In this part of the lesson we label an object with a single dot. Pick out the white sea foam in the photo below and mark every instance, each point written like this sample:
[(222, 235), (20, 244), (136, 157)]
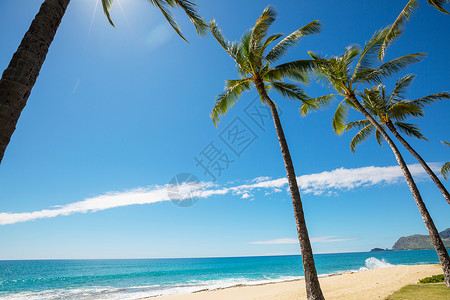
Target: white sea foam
[(139, 292), (374, 263)]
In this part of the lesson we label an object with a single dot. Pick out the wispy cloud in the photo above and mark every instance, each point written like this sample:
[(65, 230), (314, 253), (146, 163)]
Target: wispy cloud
[(319, 239), (318, 184)]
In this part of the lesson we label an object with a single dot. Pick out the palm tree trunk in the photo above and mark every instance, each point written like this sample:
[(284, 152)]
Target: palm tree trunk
[(432, 231), (422, 162), (19, 77), (313, 290)]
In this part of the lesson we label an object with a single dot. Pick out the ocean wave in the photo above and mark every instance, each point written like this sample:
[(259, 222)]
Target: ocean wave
[(139, 292), (374, 263)]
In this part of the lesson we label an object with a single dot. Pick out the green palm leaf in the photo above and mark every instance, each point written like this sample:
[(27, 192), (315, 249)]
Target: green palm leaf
[(397, 27), (438, 4), (357, 124), (107, 4), (371, 47), (316, 103), (400, 87), (340, 117), (289, 90), (361, 136), (291, 40), (190, 8), (233, 49), (224, 101), (445, 170), (389, 68), (411, 130), (422, 102), (403, 110)]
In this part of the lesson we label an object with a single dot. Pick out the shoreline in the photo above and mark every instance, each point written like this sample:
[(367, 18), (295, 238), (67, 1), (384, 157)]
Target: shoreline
[(366, 284)]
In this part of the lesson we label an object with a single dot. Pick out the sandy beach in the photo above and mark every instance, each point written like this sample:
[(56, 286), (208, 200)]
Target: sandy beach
[(371, 284)]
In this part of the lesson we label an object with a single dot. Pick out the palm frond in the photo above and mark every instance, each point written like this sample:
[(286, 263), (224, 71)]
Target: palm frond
[(409, 129), (224, 101), (190, 8), (317, 103), (107, 4), (291, 40), (446, 167), (361, 136), (445, 170), (294, 70), (280, 74), (424, 101), (357, 124), (271, 38), (163, 6), (396, 28), (340, 117), (371, 47), (403, 110), (289, 90), (258, 33), (233, 49), (389, 68), (438, 4), (400, 87), (379, 138)]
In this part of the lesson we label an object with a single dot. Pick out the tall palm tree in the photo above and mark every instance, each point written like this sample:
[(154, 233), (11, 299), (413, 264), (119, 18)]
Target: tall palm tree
[(446, 167), (391, 111), (19, 77), (345, 82), (255, 66)]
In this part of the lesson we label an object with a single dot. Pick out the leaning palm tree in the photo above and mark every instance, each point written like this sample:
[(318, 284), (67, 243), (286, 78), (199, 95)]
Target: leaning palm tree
[(345, 82), (256, 67), (391, 111), (446, 167), (19, 77)]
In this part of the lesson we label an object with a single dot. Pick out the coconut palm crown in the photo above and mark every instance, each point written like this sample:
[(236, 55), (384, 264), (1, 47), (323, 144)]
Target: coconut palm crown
[(391, 109), (255, 63), (345, 73)]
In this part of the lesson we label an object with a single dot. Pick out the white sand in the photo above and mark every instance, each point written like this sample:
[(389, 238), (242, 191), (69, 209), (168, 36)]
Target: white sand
[(371, 284)]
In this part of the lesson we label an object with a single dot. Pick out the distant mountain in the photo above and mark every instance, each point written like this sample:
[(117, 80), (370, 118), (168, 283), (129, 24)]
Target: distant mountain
[(420, 242)]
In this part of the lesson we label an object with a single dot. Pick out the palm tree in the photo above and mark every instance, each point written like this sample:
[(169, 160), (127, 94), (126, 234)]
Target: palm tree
[(19, 77), (255, 66), (390, 111), (446, 167), (337, 73)]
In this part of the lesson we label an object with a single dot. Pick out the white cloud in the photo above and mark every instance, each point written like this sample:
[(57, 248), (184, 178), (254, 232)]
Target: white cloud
[(319, 239), (325, 183)]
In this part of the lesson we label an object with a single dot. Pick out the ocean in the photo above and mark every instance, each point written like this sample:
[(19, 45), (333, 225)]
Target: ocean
[(138, 278)]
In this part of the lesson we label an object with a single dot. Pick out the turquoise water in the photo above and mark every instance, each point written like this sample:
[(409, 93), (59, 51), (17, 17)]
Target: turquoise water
[(137, 278)]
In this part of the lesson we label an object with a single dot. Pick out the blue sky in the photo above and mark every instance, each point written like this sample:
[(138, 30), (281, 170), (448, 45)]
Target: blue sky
[(116, 113)]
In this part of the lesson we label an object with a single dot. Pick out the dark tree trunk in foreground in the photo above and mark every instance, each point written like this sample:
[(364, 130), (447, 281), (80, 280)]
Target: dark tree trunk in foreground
[(432, 231), (422, 162), (19, 77), (313, 290)]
